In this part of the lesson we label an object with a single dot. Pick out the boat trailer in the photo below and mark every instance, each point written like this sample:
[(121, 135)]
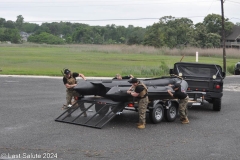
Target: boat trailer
[(95, 111)]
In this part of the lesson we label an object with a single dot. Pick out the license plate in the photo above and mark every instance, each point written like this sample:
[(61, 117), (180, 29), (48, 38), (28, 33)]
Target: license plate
[(197, 104)]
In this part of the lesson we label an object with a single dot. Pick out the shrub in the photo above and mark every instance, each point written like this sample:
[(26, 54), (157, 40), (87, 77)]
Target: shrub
[(45, 38), (230, 69), (144, 71)]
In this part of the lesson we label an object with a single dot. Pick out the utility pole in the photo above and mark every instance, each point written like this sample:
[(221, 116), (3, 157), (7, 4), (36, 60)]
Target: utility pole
[(223, 39)]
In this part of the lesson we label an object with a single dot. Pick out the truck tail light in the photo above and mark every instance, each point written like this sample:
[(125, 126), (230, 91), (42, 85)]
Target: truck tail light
[(217, 86), (130, 104)]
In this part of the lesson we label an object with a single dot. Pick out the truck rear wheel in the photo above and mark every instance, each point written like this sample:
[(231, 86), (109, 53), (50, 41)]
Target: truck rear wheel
[(217, 104), (236, 72), (170, 114), (156, 114)]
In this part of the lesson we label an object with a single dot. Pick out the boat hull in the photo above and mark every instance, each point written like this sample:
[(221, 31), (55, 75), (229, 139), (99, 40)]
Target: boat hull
[(116, 90)]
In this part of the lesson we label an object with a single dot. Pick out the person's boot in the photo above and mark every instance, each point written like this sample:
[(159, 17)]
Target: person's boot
[(84, 114), (74, 103), (138, 124), (182, 119), (141, 126), (64, 106), (185, 121)]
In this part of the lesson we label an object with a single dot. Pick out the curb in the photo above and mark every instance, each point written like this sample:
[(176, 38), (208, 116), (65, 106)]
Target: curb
[(26, 76)]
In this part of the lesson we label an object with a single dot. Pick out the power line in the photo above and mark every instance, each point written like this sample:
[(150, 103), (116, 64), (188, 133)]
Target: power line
[(129, 19)]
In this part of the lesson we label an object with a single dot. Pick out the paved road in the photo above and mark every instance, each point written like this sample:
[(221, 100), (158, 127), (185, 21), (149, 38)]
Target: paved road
[(28, 107)]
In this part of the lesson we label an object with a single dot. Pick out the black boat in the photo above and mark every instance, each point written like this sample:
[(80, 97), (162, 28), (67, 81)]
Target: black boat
[(116, 90)]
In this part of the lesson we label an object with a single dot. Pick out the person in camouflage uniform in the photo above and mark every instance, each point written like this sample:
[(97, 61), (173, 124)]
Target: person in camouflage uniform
[(69, 80), (119, 77), (139, 90)]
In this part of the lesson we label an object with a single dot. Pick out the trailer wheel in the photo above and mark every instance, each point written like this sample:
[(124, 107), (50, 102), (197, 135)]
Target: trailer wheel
[(217, 104), (171, 113), (156, 114), (101, 111)]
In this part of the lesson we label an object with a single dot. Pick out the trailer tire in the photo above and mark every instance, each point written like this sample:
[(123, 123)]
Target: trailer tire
[(217, 104), (101, 111), (170, 114), (156, 114)]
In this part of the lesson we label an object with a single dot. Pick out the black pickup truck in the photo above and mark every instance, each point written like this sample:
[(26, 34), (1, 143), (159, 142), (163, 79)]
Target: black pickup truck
[(202, 77), (237, 68)]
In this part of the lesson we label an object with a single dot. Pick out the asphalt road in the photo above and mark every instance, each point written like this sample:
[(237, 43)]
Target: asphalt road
[(28, 107)]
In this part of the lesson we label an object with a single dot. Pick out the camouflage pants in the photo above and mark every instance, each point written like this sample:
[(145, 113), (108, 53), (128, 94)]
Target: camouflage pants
[(142, 108), (183, 112), (70, 94)]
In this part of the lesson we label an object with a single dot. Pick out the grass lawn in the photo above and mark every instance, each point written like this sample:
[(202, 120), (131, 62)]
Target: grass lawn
[(99, 61)]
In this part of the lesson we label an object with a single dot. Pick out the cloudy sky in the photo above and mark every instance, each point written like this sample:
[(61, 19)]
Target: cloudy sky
[(119, 12)]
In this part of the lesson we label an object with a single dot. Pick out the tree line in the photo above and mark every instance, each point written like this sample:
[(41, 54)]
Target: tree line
[(168, 32)]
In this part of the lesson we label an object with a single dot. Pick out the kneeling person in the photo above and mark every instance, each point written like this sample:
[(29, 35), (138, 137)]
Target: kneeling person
[(183, 101)]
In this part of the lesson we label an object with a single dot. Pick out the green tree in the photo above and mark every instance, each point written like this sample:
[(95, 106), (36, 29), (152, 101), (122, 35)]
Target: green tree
[(154, 36), (199, 36), (30, 27), (84, 35), (66, 28), (121, 34), (213, 23), (2, 22), (170, 32), (43, 28), (11, 35), (52, 28), (228, 26), (19, 22), (68, 39), (136, 36), (97, 34), (202, 38), (9, 24), (111, 34), (212, 40), (1, 34)]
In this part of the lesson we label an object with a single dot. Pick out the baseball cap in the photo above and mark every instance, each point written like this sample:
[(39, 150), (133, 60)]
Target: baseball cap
[(67, 71), (133, 80), (177, 85)]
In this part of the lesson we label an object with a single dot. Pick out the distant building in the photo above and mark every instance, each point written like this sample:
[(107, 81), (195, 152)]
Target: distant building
[(233, 40), (24, 36)]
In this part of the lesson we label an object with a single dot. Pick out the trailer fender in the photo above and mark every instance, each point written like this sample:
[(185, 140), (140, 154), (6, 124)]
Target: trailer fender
[(171, 102), (155, 102)]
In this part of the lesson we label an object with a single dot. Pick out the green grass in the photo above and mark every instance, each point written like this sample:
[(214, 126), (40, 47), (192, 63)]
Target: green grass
[(99, 61)]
